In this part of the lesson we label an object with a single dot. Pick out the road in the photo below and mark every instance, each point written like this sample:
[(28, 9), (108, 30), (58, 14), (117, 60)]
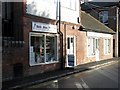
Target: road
[(102, 77)]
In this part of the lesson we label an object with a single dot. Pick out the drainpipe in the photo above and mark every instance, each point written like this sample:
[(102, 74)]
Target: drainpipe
[(65, 52), (117, 31), (61, 38)]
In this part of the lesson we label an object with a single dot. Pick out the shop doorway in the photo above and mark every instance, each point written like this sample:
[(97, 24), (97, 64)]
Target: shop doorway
[(71, 51)]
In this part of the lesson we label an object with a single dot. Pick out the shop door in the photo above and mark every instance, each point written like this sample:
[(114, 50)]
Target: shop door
[(71, 58)]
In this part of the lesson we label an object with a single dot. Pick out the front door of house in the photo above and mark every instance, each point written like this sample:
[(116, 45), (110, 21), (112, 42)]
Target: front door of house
[(71, 49), (97, 49)]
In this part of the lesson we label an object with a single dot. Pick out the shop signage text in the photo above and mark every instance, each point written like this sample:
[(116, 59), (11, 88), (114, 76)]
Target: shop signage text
[(43, 27)]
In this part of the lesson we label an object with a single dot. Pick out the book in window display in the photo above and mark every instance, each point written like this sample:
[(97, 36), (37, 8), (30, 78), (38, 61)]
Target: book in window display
[(50, 49)]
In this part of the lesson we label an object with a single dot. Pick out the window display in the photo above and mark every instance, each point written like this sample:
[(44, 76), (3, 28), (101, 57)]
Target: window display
[(50, 50), (38, 47), (43, 49)]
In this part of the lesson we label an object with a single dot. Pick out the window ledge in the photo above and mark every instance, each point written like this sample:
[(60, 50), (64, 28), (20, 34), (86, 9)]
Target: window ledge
[(91, 56), (107, 53)]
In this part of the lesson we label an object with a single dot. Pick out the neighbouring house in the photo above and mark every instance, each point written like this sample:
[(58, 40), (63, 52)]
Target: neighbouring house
[(92, 41), (108, 14), (99, 38), (46, 35)]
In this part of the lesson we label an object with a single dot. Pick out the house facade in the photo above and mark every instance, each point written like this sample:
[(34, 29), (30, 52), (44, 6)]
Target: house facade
[(107, 13), (48, 35), (99, 38)]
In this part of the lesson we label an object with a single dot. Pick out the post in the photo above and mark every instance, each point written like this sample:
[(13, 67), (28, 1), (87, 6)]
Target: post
[(117, 31)]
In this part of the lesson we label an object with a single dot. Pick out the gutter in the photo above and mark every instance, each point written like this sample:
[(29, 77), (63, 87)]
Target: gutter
[(92, 30)]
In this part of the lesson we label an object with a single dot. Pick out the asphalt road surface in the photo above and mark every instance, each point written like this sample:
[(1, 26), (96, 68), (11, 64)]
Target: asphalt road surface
[(103, 77)]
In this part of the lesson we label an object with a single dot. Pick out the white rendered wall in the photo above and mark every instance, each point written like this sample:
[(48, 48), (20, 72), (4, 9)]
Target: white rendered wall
[(50, 9)]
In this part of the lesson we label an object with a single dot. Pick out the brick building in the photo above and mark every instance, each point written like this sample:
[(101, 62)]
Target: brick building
[(108, 14), (32, 41), (47, 35), (21, 47)]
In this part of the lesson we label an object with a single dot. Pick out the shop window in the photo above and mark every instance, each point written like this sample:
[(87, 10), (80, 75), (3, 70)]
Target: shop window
[(38, 48), (43, 49), (50, 49)]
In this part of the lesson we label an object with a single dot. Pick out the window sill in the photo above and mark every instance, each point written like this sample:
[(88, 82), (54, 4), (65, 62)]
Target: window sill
[(91, 56), (44, 63), (107, 53)]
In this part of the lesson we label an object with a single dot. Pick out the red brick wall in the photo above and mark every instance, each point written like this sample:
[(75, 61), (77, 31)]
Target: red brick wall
[(30, 70), (21, 55), (14, 55), (81, 45)]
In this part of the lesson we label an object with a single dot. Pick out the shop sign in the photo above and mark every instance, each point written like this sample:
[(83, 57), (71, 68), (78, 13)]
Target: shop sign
[(43, 27)]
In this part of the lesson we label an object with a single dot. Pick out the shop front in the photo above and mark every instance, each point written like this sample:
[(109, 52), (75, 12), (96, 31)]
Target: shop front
[(43, 44)]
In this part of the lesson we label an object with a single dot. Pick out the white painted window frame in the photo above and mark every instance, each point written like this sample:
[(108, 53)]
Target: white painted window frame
[(90, 52), (93, 46), (106, 46)]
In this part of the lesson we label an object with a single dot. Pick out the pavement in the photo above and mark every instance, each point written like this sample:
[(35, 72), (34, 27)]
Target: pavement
[(40, 78)]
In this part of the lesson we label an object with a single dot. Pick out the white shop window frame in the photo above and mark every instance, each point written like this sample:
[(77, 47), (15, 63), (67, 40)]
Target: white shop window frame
[(40, 34), (109, 51)]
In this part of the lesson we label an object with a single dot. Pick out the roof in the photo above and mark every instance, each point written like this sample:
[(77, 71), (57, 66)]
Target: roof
[(89, 23), (89, 5)]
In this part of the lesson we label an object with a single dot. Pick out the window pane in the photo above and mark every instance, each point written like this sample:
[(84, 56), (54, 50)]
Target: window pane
[(89, 46), (68, 43), (98, 44), (71, 40), (51, 49), (38, 49), (109, 43), (103, 17), (94, 46), (32, 41), (105, 46)]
